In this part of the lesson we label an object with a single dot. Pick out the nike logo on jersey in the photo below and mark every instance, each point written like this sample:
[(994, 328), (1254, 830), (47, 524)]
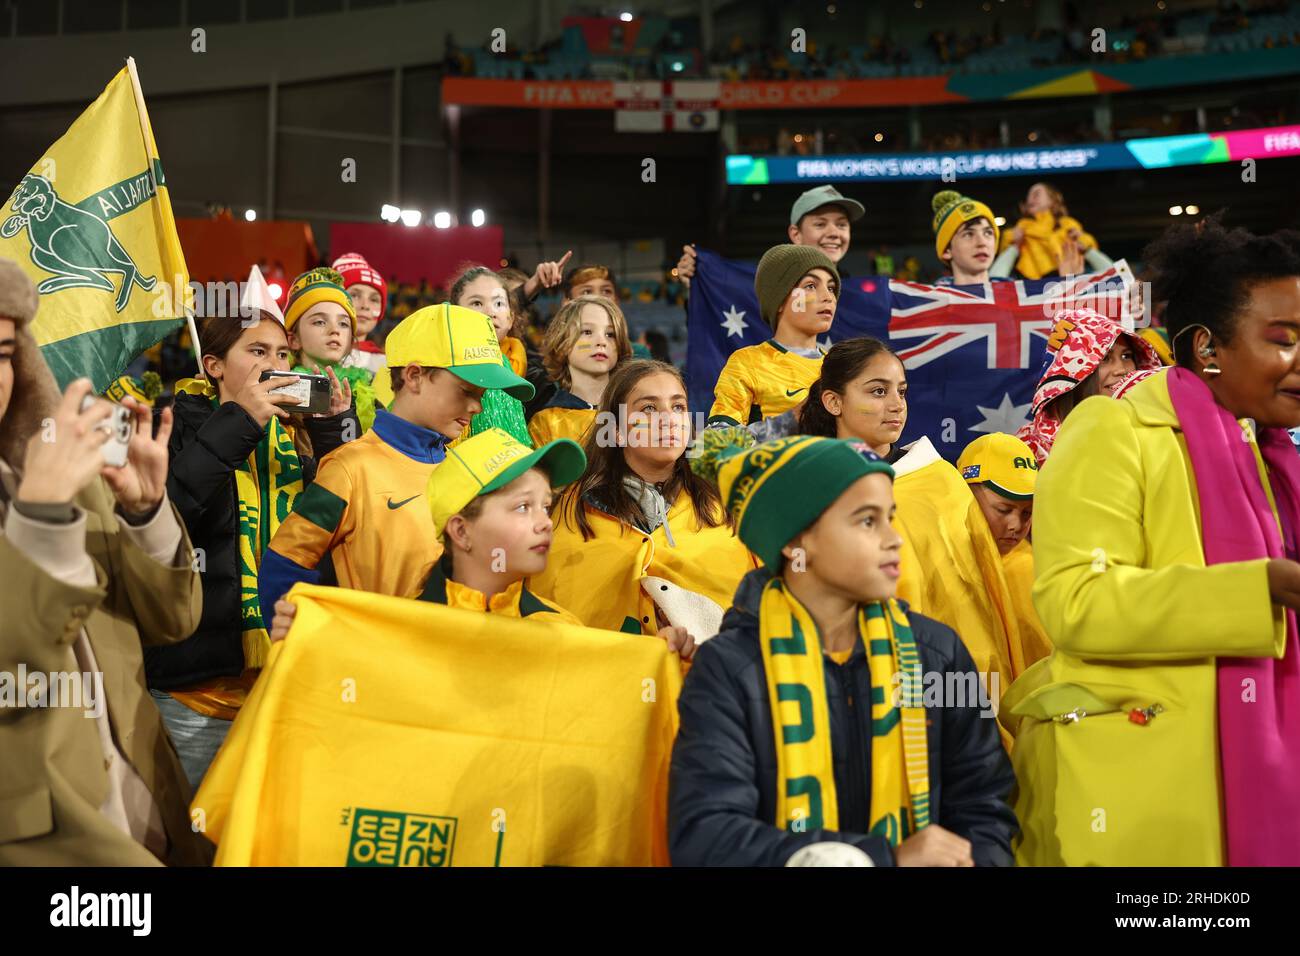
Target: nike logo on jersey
[(792, 394), (394, 506)]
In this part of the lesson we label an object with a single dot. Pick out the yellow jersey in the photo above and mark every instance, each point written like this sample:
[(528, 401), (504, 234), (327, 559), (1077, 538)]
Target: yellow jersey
[(761, 381), (600, 579), (366, 512), (515, 601), (564, 416)]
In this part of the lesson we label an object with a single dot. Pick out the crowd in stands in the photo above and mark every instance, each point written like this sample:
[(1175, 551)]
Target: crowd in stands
[(1111, 606), (662, 49)]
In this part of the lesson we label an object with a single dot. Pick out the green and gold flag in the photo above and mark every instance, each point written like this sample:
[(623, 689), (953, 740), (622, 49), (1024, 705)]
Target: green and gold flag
[(92, 224), (390, 732)]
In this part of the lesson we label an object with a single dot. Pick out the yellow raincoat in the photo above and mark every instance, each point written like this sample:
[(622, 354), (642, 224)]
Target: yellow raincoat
[(1136, 619), (1045, 235), (952, 570), (1018, 569), (600, 580)]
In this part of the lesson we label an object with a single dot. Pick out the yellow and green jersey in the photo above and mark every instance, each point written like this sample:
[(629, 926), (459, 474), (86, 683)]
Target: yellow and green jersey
[(515, 601), (366, 513), (761, 381)]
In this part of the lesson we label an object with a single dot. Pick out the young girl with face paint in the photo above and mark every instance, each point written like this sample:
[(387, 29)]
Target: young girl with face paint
[(640, 512), (585, 342), (951, 568)]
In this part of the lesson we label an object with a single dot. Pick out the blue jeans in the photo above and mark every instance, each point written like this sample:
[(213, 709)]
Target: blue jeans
[(197, 738)]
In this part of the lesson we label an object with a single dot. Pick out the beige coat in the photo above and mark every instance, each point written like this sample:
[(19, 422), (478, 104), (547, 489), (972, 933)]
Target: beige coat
[(61, 772), (54, 778)]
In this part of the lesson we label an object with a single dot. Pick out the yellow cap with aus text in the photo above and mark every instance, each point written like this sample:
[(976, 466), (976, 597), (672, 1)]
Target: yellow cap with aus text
[(1003, 462), (490, 460), (453, 337)]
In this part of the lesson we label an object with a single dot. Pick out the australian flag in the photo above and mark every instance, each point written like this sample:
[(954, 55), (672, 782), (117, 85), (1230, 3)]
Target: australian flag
[(973, 354)]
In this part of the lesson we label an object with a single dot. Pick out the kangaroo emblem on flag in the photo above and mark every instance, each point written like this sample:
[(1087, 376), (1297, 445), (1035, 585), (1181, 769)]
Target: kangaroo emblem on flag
[(71, 242)]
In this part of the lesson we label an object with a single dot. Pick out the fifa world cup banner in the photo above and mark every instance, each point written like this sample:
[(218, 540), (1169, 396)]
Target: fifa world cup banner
[(391, 732)]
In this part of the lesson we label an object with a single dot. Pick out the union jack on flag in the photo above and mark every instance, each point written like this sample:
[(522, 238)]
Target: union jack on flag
[(973, 354)]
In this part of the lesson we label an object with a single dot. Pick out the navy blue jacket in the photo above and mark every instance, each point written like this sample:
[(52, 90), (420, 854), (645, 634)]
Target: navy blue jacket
[(722, 795)]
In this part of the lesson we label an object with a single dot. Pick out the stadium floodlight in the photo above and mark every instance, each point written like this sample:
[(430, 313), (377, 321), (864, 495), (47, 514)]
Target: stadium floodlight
[(477, 217), (1175, 210), (1191, 210), (250, 214), (411, 217), (442, 219), (625, 17), (390, 213), (1000, 221), (879, 137), (275, 289)]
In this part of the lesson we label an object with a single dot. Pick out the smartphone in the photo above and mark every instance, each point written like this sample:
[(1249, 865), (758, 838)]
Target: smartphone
[(121, 425), (311, 391)]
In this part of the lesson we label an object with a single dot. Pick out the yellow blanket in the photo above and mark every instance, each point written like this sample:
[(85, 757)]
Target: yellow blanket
[(390, 732)]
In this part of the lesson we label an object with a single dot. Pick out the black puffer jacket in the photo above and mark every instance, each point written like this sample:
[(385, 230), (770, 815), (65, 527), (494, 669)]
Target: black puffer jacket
[(722, 798), (207, 445)]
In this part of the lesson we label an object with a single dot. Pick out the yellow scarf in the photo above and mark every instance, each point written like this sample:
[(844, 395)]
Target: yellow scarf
[(267, 485), (796, 683)]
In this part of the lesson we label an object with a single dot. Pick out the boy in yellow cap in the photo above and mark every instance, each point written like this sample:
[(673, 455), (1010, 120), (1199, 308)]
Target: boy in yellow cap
[(491, 501), (322, 323), (360, 525), (1001, 470), (966, 240)]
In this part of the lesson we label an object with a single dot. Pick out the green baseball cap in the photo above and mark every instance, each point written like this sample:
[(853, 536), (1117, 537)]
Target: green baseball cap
[(825, 196)]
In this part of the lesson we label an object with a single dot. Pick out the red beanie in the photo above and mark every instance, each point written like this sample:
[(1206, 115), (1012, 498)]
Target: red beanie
[(357, 271)]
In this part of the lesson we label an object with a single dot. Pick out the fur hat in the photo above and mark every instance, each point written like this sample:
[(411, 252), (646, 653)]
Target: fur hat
[(34, 391), (18, 296)]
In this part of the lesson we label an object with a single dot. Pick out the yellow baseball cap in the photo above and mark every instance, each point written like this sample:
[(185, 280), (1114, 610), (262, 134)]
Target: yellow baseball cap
[(1003, 462), (490, 460), (455, 338)]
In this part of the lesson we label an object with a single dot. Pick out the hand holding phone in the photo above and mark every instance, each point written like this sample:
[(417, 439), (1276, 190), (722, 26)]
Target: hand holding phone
[(309, 394), (65, 457)]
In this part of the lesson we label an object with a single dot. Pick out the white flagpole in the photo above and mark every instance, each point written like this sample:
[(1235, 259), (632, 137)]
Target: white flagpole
[(143, 116)]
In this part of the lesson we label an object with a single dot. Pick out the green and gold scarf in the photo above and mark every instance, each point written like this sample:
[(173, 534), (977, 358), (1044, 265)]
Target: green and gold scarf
[(267, 484), (796, 683)]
